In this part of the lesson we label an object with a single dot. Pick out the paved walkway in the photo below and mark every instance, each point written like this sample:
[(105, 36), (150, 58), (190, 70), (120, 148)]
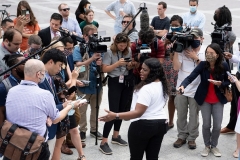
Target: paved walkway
[(227, 143)]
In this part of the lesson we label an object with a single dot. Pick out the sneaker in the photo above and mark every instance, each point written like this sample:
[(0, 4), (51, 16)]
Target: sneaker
[(98, 134), (119, 141), (83, 136), (105, 149), (205, 152), (216, 152), (192, 145), (179, 143)]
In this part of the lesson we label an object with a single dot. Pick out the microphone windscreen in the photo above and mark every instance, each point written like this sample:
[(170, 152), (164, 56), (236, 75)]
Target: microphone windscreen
[(144, 20)]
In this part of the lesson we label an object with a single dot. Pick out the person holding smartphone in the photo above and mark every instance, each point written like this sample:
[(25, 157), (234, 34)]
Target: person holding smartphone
[(116, 66), (209, 95), (31, 27)]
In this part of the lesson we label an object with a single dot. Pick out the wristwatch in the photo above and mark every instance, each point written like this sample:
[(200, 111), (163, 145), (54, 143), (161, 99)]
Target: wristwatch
[(117, 116), (197, 60)]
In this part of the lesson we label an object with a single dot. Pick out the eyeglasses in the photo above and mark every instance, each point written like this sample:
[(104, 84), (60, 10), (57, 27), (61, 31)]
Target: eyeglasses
[(65, 9), (125, 22)]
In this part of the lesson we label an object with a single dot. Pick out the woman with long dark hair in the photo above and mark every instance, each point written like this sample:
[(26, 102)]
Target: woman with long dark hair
[(31, 27), (149, 121), (80, 11), (210, 96)]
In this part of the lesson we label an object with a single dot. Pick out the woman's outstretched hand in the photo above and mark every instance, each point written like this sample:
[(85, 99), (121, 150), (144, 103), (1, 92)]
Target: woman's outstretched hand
[(109, 117)]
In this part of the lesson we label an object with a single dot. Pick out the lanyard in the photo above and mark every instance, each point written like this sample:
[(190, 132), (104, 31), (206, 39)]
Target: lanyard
[(120, 67)]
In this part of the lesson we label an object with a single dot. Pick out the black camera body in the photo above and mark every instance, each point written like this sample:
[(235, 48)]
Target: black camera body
[(144, 50), (182, 40), (219, 34), (94, 46)]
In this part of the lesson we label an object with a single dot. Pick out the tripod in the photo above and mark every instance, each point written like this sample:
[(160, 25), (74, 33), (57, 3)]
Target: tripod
[(98, 85)]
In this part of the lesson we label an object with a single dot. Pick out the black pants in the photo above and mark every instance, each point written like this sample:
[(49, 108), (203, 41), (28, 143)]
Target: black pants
[(234, 105), (118, 99), (146, 135), (44, 155)]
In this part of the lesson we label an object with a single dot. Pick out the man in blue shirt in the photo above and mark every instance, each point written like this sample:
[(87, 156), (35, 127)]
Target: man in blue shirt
[(194, 18), (14, 79), (69, 23), (90, 90)]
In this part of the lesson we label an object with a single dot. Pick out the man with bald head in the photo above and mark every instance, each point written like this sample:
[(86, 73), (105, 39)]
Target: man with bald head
[(12, 39), (20, 107)]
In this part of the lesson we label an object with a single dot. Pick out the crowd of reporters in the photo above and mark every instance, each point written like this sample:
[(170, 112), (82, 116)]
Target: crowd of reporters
[(138, 64)]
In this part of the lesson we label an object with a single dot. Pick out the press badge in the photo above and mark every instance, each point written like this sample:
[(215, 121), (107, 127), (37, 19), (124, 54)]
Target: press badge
[(121, 78)]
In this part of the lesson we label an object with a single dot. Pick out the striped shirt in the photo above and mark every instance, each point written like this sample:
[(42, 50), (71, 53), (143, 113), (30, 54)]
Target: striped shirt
[(29, 106)]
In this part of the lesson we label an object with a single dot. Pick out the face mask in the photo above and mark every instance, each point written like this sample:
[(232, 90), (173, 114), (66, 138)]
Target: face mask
[(176, 29), (193, 9), (67, 52), (42, 79), (20, 73), (210, 58), (195, 43)]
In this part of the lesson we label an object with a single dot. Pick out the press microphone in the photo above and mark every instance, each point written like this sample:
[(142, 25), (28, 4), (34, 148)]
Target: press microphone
[(144, 18), (69, 34)]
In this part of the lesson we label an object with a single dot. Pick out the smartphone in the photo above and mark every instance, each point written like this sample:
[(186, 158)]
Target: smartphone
[(229, 74), (127, 60), (23, 12), (72, 89), (27, 14)]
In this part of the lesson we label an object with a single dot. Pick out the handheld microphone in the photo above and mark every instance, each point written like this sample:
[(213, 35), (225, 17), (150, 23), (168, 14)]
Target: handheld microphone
[(144, 18), (69, 34)]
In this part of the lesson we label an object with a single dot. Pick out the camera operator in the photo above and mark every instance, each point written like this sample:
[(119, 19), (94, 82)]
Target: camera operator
[(157, 50), (223, 18), (186, 62), (91, 89)]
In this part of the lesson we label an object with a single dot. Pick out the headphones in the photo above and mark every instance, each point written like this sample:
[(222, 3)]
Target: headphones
[(129, 15)]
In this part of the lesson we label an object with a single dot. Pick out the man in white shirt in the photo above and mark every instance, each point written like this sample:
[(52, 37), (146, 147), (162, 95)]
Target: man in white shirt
[(186, 62), (194, 18)]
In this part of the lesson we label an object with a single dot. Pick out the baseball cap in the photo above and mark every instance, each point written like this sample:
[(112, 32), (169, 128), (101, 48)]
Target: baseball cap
[(197, 32)]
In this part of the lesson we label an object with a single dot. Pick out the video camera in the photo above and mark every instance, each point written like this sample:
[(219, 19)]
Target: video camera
[(94, 46), (144, 51), (182, 39), (219, 35)]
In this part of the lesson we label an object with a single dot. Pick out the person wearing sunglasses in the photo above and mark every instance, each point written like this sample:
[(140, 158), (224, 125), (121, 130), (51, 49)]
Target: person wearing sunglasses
[(131, 30), (69, 23)]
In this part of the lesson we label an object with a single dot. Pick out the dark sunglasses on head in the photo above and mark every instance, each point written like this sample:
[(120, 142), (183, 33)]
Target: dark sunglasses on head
[(125, 22), (66, 9)]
